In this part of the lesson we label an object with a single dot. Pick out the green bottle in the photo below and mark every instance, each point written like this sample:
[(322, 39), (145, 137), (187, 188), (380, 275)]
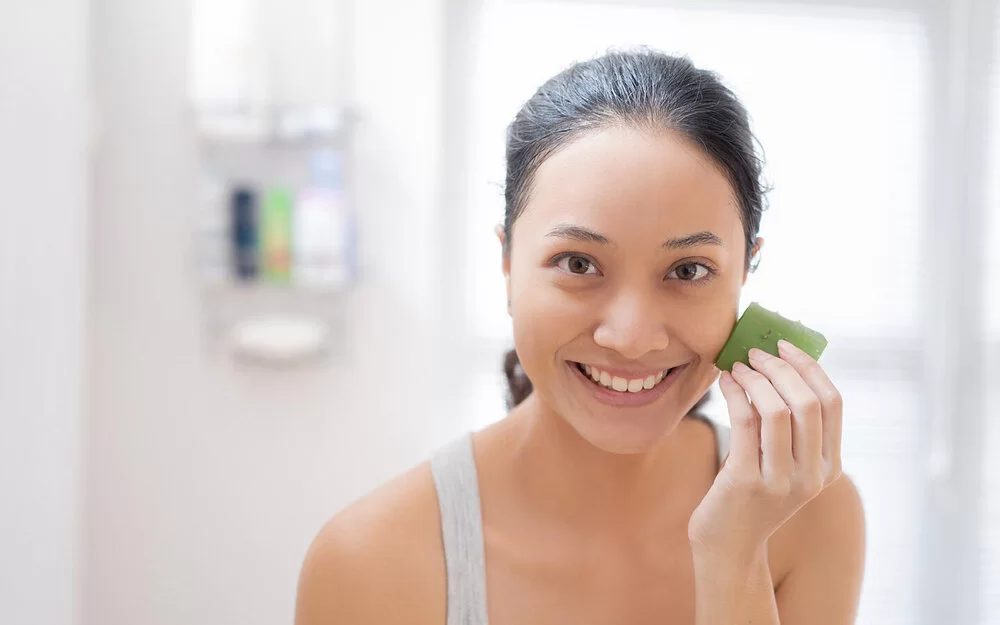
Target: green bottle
[(276, 235)]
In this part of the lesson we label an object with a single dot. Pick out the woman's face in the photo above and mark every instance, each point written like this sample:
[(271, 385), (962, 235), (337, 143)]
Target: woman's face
[(627, 261)]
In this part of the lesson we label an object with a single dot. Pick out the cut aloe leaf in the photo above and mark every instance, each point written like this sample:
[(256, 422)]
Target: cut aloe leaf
[(762, 328)]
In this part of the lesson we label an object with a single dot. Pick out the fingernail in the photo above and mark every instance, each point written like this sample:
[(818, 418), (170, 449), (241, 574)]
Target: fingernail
[(784, 346), (739, 367), (758, 354)]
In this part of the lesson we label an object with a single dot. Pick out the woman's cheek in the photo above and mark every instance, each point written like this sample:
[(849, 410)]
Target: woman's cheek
[(713, 331), (546, 318)]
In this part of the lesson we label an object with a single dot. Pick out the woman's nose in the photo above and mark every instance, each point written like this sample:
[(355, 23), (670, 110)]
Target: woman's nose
[(632, 325)]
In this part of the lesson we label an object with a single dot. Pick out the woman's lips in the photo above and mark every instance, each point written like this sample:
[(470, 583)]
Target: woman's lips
[(628, 397)]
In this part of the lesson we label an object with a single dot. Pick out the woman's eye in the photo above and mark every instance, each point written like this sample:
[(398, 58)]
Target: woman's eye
[(689, 272), (577, 264)]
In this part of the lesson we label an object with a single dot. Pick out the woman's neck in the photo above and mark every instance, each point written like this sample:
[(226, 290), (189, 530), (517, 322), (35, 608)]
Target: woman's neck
[(563, 476)]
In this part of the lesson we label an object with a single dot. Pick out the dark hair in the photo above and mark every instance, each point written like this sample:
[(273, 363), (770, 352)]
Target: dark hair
[(647, 90)]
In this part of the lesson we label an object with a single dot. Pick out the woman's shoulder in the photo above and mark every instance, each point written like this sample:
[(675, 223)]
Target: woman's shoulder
[(828, 529), (378, 560)]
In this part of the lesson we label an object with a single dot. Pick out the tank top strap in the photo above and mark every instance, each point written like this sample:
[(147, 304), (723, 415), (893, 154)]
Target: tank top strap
[(457, 484)]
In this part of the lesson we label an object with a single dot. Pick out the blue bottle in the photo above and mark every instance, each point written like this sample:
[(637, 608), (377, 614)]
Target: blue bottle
[(246, 257)]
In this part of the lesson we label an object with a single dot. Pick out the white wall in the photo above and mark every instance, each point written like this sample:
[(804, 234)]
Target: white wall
[(43, 208), (207, 480)]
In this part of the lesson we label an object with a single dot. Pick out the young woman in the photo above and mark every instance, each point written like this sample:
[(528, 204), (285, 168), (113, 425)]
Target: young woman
[(633, 201)]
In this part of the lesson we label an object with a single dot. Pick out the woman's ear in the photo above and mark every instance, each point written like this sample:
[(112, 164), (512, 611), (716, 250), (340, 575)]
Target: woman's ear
[(754, 259), (505, 261)]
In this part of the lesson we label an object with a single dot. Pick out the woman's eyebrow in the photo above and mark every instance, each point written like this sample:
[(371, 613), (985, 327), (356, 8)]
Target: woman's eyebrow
[(694, 240), (580, 233)]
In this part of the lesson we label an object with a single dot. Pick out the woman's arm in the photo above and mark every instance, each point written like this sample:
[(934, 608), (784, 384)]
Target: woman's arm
[(731, 592), (823, 585), (378, 561), (787, 419), (821, 588), (336, 584)]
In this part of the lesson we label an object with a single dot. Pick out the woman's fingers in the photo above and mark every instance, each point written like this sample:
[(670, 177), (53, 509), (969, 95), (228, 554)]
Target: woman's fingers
[(744, 446), (807, 415), (831, 402), (775, 426)]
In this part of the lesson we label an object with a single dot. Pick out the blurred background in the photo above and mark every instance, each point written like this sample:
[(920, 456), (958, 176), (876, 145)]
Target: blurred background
[(248, 273)]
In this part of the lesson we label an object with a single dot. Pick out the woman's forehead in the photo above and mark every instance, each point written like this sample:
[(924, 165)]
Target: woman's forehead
[(632, 181)]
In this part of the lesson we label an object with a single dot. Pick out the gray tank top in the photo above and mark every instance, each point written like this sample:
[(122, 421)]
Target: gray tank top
[(457, 483)]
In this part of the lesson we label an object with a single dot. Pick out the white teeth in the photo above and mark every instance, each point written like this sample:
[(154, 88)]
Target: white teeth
[(623, 385)]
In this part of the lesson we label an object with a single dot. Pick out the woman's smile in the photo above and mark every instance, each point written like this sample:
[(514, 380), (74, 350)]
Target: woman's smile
[(624, 389)]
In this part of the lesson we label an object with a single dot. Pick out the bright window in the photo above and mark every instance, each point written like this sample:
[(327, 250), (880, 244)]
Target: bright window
[(841, 126), (839, 101)]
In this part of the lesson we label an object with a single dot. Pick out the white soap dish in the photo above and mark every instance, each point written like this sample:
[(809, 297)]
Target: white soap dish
[(279, 338)]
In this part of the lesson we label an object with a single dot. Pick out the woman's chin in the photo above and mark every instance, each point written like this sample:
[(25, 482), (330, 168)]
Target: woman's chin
[(623, 436)]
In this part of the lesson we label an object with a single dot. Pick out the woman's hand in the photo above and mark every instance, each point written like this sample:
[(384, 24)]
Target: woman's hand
[(785, 449)]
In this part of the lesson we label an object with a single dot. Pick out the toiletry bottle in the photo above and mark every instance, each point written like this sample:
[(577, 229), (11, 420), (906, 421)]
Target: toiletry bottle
[(244, 224), (319, 226), (275, 228)]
